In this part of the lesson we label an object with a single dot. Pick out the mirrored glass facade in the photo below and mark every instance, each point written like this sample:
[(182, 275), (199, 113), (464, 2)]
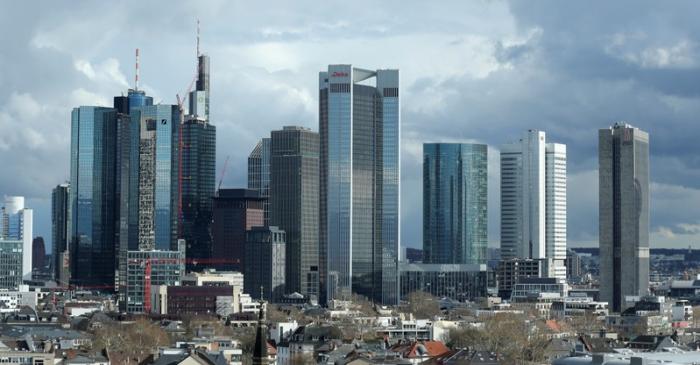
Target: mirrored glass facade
[(359, 207), (92, 199), (455, 186)]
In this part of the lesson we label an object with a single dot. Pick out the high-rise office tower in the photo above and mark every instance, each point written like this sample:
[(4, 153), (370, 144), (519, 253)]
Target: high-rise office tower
[(259, 173), (198, 184), (294, 204), (623, 178), (264, 271), (16, 224), (235, 212), (92, 198), (198, 170), (154, 175), (359, 128), (199, 98), (533, 201), (38, 254), (455, 183), (60, 226)]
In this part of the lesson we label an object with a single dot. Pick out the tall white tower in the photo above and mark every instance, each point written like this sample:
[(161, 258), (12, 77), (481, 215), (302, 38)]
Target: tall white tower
[(533, 201), (16, 224)]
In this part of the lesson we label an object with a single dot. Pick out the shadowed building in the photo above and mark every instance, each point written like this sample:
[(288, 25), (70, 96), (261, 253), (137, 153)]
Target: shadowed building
[(235, 212), (294, 204), (623, 175), (264, 270)]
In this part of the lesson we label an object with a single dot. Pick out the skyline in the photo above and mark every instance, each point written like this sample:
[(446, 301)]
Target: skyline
[(639, 76)]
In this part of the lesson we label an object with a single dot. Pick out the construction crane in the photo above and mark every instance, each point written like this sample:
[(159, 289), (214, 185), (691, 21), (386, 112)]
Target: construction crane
[(223, 173)]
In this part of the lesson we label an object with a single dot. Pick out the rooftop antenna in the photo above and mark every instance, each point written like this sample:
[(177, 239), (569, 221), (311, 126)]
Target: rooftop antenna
[(136, 75), (198, 38)]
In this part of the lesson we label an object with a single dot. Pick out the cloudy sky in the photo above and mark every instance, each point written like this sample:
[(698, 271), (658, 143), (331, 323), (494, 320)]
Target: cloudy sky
[(481, 71)]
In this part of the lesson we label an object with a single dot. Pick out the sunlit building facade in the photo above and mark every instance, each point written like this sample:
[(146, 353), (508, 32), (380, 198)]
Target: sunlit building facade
[(359, 127)]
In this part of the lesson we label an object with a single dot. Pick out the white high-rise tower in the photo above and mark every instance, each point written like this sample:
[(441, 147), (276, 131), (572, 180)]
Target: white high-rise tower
[(16, 224), (533, 201)]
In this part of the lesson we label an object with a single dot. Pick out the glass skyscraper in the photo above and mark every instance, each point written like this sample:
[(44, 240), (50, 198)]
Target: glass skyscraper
[(60, 218), (360, 169), (16, 225), (92, 199), (294, 204), (623, 178), (156, 175), (455, 185), (259, 173)]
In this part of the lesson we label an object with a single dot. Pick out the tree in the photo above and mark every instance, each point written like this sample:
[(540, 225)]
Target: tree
[(423, 305), (512, 336), (362, 305), (133, 342)]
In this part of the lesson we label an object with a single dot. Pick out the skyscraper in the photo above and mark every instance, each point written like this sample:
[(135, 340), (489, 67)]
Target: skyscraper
[(359, 129), (264, 271), (60, 226), (623, 177), (154, 178), (198, 168), (16, 225), (235, 212), (198, 184), (38, 254), (92, 198), (294, 204), (455, 183), (533, 201), (259, 173)]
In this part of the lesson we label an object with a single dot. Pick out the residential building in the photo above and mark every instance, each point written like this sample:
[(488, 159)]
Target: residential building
[(60, 226), (294, 204), (92, 196), (455, 281), (579, 305), (235, 212), (264, 275), (147, 269), (259, 173), (360, 139), (533, 201), (623, 178), (509, 273), (16, 224), (455, 219)]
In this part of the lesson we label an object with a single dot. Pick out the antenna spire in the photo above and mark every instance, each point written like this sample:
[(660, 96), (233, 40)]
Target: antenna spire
[(198, 38), (136, 74)]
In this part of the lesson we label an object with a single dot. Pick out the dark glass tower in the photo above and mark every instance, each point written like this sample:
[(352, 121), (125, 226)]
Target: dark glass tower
[(294, 204), (359, 128), (455, 180), (623, 178), (198, 183), (198, 171), (60, 216), (235, 212), (92, 196)]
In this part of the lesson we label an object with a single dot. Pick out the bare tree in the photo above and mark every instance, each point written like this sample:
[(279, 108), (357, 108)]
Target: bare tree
[(423, 305)]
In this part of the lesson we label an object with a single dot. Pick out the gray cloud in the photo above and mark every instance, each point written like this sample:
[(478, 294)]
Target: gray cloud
[(482, 71)]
